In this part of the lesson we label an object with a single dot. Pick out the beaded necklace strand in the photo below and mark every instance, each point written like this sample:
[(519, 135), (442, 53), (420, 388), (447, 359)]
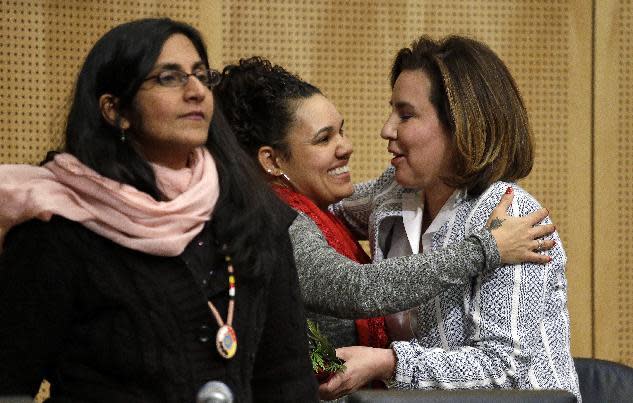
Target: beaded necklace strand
[(225, 338)]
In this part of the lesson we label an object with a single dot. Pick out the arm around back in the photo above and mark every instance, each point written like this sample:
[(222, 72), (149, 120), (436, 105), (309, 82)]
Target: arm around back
[(335, 285)]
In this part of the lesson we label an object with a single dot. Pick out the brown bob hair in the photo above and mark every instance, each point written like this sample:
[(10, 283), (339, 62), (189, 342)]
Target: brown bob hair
[(479, 104)]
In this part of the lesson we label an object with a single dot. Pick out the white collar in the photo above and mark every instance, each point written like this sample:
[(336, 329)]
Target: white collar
[(412, 210)]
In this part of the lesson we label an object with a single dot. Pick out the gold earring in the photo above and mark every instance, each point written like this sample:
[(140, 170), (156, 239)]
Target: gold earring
[(286, 177)]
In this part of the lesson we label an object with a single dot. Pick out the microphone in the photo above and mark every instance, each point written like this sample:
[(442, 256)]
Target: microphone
[(214, 392)]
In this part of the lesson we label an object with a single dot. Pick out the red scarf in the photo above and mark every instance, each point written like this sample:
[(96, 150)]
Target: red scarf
[(371, 332)]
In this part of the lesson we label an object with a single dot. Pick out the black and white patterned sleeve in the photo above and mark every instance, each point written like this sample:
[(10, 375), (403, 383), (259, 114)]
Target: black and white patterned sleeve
[(518, 332)]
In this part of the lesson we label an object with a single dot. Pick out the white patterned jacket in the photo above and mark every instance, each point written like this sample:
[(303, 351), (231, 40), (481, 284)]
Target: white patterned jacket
[(508, 328)]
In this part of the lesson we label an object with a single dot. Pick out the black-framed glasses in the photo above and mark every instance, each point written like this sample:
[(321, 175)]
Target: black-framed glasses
[(176, 78)]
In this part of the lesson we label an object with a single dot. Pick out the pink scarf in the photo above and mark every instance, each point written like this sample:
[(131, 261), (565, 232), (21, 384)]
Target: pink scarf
[(116, 211)]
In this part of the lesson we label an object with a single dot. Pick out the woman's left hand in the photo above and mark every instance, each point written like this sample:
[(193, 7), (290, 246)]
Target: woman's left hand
[(363, 365), (520, 239)]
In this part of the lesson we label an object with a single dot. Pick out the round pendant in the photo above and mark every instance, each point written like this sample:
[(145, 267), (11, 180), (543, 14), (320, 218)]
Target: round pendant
[(226, 341)]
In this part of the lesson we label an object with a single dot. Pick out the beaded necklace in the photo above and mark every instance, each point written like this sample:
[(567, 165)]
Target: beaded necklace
[(225, 338)]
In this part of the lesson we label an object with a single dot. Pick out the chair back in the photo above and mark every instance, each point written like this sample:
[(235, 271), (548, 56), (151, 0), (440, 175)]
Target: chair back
[(604, 381)]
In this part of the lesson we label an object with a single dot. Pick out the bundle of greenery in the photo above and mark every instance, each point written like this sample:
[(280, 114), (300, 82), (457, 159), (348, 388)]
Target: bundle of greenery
[(325, 363)]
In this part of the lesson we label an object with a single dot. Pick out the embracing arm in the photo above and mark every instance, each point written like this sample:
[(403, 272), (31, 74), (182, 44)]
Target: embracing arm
[(348, 289), (35, 308), (335, 285)]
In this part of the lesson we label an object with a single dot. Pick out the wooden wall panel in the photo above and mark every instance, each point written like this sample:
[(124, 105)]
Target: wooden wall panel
[(42, 45), (582, 172), (346, 48), (613, 181)]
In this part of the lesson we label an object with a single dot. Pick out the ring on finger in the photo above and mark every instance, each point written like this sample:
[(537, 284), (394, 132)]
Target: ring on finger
[(539, 248)]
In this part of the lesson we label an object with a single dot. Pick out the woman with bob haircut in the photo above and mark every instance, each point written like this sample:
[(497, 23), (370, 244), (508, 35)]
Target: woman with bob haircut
[(460, 137), (148, 257), (296, 135)]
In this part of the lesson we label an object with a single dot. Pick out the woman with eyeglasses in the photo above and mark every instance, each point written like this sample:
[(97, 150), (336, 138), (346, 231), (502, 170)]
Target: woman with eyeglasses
[(147, 258)]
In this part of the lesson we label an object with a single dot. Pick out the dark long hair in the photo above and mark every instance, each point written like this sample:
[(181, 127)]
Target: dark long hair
[(117, 65), (248, 218)]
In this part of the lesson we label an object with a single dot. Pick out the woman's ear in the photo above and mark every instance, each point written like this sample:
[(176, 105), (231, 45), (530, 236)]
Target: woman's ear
[(267, 158), (110, 111)]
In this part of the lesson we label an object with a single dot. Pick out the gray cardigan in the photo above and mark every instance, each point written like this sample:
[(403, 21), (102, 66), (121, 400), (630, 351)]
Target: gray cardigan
[(332, 284)]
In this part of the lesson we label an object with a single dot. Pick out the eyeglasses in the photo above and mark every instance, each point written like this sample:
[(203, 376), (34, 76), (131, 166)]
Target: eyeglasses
[(176, 78)]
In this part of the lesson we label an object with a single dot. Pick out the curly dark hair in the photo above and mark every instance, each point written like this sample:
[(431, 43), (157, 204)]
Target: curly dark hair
[(259, 101)]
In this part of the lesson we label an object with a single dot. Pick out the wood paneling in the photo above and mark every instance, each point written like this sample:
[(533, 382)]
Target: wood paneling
[(346, 48), (581, 117), (613, 181)]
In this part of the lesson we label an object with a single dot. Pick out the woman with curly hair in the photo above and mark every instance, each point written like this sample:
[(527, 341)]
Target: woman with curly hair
[(296, 136)]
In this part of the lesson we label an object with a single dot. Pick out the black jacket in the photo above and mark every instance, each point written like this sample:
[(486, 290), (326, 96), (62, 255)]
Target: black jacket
[(104, 323)]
